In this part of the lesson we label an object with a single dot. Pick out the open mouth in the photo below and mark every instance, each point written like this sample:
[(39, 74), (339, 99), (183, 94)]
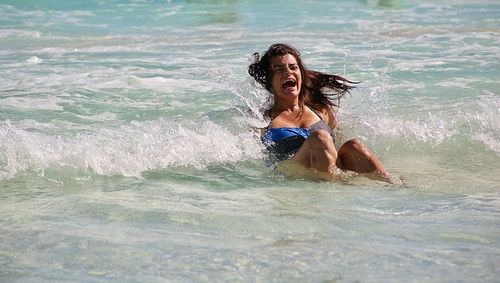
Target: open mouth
[(289, 84)]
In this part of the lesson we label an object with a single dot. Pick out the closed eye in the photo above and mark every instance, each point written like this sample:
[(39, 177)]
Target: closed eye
[(278, 68)]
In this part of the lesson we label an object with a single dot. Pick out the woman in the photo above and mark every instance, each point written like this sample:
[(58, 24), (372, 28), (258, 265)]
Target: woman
[(302, 120)]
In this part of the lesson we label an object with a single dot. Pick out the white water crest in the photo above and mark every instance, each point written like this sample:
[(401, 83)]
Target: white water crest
[(127, 150)]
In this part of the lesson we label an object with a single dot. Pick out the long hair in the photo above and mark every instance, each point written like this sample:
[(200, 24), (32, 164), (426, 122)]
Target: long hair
[(318, 90)]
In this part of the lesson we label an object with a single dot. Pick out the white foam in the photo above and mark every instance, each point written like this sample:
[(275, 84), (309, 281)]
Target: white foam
[(485, 123), (460, 83), (128, 150), (34, 60), (374, 116), (32, 103), (4, 33), (173, 85)]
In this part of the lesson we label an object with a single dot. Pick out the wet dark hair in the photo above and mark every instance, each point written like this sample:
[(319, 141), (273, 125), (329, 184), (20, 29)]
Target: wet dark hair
[(318, 90)]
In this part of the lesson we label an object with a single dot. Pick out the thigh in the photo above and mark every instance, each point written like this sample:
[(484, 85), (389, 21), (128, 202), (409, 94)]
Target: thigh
[(302, 156), (318, 151)]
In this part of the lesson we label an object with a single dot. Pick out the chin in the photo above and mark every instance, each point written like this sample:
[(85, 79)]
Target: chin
[(290, 94), (295, 93)]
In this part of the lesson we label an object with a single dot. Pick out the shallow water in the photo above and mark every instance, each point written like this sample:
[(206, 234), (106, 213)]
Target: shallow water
[(126, 154)]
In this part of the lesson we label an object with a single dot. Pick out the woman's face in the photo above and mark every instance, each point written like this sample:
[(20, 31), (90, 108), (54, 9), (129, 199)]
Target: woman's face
[(286, 77)]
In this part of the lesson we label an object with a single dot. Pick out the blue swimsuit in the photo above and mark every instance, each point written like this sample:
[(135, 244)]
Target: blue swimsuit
[(284, 142)]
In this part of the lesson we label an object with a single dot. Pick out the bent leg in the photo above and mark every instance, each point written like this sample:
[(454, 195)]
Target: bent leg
[(318, 152), (355, 156)]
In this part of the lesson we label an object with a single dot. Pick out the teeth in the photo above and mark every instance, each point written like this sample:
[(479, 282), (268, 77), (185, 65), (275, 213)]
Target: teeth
[(289, 84)]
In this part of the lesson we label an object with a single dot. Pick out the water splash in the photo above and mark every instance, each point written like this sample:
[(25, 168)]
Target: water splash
[(127, 150), (485, 123)]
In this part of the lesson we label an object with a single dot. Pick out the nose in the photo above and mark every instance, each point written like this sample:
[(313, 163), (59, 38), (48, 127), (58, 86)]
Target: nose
[(287, 71)]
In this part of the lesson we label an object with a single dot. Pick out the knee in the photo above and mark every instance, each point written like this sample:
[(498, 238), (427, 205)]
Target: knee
[(357, 145)]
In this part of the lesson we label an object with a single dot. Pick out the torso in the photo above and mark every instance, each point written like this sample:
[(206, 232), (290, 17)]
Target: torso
[(287, 132)]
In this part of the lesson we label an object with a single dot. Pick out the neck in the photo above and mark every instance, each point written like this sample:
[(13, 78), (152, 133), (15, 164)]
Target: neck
[(290, 106)]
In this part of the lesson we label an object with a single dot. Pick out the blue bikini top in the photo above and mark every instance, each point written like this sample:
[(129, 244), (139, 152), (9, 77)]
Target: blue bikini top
[(274, 134)]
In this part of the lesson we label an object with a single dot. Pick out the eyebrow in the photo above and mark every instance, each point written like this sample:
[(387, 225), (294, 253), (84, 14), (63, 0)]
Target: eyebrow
[(281, 65)]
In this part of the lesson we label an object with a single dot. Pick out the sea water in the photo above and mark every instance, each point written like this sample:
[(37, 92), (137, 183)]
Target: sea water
[(127, 151)]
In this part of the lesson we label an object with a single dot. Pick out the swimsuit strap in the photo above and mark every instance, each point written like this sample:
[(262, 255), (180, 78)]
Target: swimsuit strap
[(315, 112)]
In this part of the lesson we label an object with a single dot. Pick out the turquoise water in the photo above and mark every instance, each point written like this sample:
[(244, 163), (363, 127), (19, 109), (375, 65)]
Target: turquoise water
[(126, 154)]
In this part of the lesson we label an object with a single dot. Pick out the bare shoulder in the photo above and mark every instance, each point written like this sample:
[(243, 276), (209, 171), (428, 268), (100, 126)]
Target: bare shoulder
[(329, 117)]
